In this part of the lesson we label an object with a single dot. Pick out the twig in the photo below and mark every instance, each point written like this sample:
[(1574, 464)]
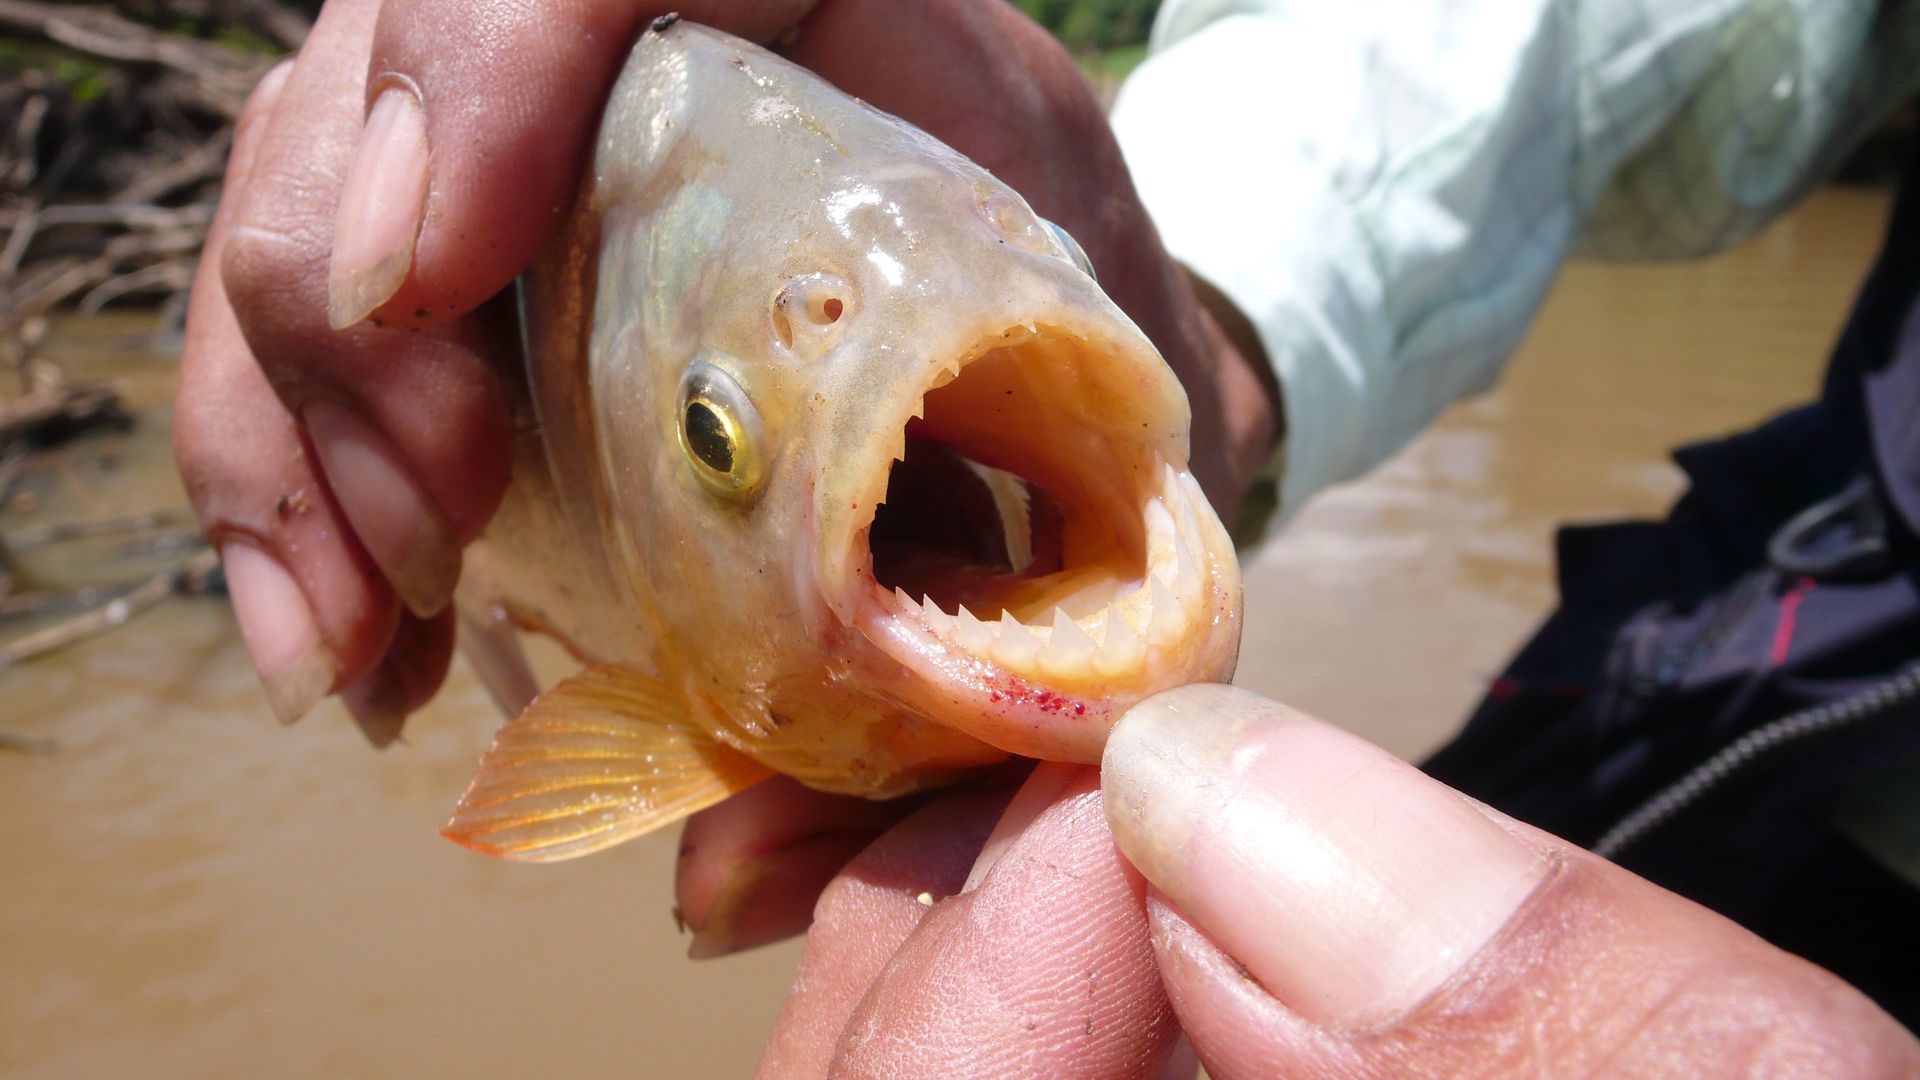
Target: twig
[(131, 525), (22, 605), (66, 277), (203, 162), (50, 407), (222, 75), (122, 215), (25, 132), (25, 223), (173, 275), (195, 577)]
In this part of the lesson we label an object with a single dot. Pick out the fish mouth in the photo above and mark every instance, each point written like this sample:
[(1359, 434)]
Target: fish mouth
[(1040, 550)]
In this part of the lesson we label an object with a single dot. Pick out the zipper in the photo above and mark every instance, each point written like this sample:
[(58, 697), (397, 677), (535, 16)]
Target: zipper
[(1729, 760)]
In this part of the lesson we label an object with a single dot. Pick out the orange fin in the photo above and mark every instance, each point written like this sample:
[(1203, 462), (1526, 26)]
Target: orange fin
[(599, 759)]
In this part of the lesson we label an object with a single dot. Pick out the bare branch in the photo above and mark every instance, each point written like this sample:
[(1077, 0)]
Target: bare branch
[(206, 161), (195, 577), (171, 275), (223, 75)]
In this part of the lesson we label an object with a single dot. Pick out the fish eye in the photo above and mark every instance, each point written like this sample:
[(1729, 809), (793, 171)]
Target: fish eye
[(1075, 253), (719, 430)]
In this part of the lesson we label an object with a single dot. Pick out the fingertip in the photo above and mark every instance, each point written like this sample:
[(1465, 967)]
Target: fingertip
[(771, 898), (1043, 787), (378, 705), (404, 531), (1047, 960), (383, 203), (1361, 885), (279, 629), (405, 679)]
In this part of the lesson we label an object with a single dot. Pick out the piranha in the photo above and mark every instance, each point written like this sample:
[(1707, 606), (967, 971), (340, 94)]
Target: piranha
[(832, 460)]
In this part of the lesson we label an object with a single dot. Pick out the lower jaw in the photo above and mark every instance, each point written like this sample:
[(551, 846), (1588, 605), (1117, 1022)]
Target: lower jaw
[(1052, 689)]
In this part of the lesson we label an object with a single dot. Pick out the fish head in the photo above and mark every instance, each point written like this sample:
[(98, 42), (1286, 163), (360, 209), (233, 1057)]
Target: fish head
[(898, 485)]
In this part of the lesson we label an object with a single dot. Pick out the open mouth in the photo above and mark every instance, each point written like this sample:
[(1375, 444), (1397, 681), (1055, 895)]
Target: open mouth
[(1031, 520)]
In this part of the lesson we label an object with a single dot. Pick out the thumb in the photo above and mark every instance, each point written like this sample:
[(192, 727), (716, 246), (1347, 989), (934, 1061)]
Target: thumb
[(1324, 909)]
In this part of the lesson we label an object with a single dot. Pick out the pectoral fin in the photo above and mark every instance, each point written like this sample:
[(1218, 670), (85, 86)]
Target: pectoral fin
[(601, 758), (491, 645)]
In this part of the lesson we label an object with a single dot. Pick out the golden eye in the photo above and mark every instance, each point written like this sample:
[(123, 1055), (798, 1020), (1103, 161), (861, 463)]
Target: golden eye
[(709, 436), (719, 429)]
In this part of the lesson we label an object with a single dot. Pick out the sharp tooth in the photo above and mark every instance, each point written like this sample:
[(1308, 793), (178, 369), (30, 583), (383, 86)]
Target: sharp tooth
[(1016, 647), (1187, 570), (1161, 533), (937, 618), (971, 633), (1120, 652), (1166, 613), (906, 603), (919, 411), (1193, 491), (1159, 519), (1068, 648)]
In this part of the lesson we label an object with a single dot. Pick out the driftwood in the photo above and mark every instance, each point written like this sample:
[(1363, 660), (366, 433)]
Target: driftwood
[(115, 124), (114, 133)]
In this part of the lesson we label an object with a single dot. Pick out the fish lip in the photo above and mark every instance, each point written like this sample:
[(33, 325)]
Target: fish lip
[(983, 689)]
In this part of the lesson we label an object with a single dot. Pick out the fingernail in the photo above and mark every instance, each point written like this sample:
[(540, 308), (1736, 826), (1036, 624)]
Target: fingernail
[(278, 626), (1042, 787), (381, 205), (1350, 885), (403, 530), (378, 705), (771, 898)]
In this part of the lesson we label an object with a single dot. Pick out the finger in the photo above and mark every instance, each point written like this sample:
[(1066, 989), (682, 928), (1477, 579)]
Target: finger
[(407, 678), (1044, 969), (478, 117), (260, 500), (751, 867), (864, 915), (410, 430), (1327, 910)]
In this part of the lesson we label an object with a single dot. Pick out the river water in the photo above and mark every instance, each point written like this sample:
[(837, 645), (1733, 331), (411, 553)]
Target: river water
[(192, 890)]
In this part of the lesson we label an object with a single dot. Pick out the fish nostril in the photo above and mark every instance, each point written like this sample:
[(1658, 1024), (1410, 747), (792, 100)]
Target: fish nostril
[(782, 326), (807, 311)]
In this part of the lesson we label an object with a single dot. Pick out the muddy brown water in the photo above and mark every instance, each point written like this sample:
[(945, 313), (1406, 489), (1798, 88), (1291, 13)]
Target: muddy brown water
[(191, 890)]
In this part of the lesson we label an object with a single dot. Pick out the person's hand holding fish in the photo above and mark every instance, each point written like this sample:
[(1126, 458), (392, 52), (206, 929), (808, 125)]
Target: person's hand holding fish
[(831, 462), (1313, 907)]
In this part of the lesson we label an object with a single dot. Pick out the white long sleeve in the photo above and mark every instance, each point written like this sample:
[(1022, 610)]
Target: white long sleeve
[(1388, 188)]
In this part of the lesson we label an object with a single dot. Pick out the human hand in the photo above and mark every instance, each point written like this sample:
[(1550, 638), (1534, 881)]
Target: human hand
[(340, 426), (1312, 907)]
